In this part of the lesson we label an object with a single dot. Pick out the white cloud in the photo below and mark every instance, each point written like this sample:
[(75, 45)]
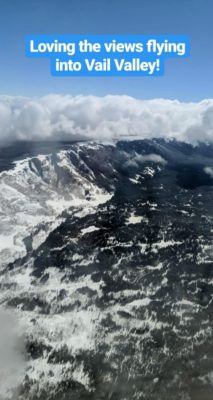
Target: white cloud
[(209, 171), (12, 360), (137, 159), (104, 118)]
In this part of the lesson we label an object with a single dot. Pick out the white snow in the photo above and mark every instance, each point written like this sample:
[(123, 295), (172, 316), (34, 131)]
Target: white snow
[(134, 219), (89, 229), (37, 200)]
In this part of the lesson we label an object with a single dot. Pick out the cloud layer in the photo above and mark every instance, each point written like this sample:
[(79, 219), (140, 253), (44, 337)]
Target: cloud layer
[(105, 118)]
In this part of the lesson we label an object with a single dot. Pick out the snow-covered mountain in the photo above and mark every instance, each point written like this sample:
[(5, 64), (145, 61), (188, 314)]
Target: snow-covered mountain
[(34, 194), (106, 271)]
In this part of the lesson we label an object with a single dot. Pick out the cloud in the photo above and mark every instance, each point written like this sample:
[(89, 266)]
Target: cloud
[(111, 117), (209, 171), (13, 357), (140, 159)]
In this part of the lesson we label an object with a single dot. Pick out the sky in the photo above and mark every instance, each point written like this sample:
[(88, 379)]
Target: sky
[(188, 79)]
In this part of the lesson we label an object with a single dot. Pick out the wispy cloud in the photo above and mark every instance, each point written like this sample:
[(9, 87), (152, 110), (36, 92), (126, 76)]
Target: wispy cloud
[(209, 171), (138, 159)]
